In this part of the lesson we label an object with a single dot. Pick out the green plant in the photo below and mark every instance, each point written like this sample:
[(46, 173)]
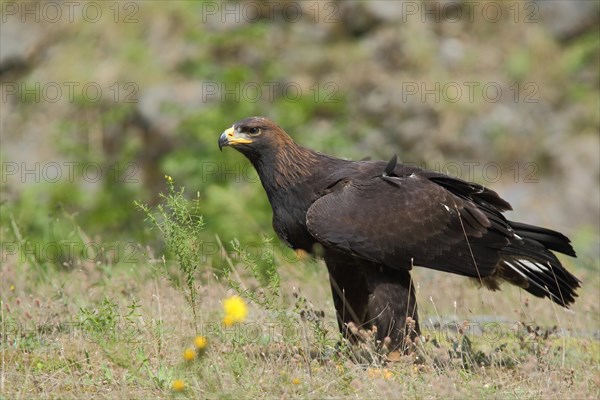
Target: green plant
[(263, 269), (181, 223), (101, 320)]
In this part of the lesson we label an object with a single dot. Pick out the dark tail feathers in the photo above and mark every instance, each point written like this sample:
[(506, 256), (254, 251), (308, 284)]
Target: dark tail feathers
[(552, 240), (529, 263)]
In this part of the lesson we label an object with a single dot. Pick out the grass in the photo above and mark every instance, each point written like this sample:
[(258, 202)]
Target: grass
[(81, 335), (128, 330)]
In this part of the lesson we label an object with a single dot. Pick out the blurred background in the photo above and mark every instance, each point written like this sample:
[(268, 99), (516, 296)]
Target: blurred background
[(101, 100)]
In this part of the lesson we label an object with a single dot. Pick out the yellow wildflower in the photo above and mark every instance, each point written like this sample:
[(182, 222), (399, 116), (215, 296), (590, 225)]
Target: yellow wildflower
[(178, 385), (387, 374), (189, 355), (372, 373), (235, 310), (296, 381), (200, 342), (228, 320), (375, 373)]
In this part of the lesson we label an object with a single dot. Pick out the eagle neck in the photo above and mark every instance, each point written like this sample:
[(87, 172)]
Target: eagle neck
[(287, 168)]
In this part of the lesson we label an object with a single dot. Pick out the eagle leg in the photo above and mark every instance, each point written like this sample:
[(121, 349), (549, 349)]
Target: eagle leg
[(392, 308), (350, 298), (373, 299)]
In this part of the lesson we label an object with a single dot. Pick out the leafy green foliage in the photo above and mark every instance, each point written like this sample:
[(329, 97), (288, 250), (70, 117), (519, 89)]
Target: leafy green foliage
[(262, 267), (106, 320), (102, 320), (180, 223)]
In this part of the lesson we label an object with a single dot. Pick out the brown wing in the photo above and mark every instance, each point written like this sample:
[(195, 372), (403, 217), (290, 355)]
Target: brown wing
[(401, 221)]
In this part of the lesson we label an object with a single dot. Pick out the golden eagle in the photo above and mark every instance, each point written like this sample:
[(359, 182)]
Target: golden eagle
[(377, 219)]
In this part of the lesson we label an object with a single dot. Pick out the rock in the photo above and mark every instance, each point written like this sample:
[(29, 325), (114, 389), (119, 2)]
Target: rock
[(383, 10), (566, 19), (19, 44), (451, 52)]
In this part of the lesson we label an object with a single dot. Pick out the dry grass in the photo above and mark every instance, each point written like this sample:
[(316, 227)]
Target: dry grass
[(53, 349)]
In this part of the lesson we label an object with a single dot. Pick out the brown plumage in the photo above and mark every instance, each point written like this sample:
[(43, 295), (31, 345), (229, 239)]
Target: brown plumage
[(377, 219)]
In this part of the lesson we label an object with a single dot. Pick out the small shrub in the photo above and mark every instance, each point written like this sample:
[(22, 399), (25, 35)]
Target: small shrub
[(181, 223)]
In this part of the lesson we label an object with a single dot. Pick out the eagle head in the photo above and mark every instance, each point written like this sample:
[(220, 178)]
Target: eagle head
[(254, 136)]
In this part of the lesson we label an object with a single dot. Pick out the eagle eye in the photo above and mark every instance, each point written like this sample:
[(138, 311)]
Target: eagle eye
[(253, 131)]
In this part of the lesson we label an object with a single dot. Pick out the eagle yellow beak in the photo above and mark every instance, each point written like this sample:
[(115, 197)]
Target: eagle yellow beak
[(230, 138)]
